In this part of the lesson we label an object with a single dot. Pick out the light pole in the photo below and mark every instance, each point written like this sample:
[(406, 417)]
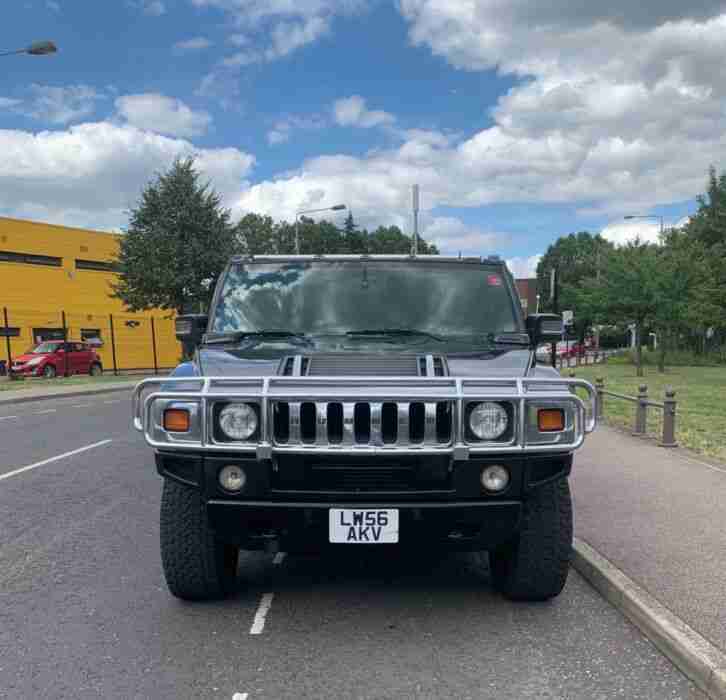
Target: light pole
[(648, 216), (337, 207), (37, 48)]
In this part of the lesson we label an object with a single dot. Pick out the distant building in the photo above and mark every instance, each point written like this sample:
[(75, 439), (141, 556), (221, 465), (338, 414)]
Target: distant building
[(56, 281), (527, 289)]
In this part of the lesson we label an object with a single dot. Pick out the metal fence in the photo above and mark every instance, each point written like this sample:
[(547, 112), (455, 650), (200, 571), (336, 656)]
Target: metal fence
[(125, 342)]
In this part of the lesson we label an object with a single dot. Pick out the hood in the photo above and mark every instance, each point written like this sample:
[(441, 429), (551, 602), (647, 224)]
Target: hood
[(497, 362), (30, 355)]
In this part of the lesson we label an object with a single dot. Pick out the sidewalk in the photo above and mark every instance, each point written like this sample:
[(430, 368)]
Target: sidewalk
[(660, 516), (43, 391)]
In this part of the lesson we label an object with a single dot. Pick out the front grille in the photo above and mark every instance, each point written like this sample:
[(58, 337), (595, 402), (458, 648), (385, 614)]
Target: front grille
[(351, 424), (353, 476)]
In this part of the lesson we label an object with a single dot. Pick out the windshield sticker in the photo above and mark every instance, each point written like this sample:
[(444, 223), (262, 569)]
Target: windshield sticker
[(494, 281)]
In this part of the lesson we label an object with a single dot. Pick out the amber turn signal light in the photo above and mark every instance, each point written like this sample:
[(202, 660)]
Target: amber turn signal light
[(551, 420), (176, 420)]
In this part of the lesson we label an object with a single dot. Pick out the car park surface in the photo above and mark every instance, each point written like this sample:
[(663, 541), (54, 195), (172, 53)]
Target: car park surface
[(84, 611)]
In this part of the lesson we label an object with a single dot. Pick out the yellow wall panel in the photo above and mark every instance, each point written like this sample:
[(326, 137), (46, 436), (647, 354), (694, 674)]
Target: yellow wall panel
[(36, 295)]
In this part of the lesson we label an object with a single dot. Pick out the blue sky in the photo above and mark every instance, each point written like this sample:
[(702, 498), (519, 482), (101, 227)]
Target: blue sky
[(521, 121)]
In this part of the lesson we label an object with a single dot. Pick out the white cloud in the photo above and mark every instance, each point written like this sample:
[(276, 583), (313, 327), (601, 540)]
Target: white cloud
[(59, 105), (153, 8), (164, 115), (197, 43), (452, 236), (89, 174), (352, 111), (9, 102), (53, 5), (284, 127), (524, 268)]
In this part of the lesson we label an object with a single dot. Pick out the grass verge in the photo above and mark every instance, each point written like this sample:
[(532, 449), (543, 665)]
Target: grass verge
[(700, 392)]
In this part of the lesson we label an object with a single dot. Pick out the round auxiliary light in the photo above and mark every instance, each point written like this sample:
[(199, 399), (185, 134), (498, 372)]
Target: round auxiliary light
[(232, 478), (238, 421), (488, 420), (494, 478)]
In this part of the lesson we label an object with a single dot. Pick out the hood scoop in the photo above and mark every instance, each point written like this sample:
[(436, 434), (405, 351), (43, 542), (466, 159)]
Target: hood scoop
[(360, 365)]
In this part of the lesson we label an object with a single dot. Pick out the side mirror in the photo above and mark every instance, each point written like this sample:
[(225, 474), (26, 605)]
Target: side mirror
[(190, 328), (544, 328)]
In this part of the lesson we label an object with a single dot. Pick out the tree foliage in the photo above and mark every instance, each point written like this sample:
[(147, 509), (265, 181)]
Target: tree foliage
[(178, 240)]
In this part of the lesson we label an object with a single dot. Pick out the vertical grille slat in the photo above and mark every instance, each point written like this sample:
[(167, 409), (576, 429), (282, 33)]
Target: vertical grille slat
[(363, 424)]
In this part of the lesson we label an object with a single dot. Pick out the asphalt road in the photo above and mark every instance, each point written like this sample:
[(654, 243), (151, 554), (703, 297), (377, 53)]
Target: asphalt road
[(84, 611)]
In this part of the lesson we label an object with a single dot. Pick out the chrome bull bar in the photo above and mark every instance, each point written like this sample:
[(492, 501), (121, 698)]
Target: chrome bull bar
[(521, 393)]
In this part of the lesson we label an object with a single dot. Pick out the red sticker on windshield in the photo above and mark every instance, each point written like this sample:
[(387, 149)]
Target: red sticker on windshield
[(494, 281)]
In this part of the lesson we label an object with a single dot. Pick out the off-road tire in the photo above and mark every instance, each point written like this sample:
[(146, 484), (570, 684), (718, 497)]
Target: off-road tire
[(196, 565), (49, 371), (96, 370), (535, 565)]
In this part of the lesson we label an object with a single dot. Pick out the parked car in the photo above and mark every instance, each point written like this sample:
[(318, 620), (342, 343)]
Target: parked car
[(54, 357)]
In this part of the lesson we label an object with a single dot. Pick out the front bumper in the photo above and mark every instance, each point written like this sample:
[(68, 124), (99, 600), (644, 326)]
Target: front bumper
[(443, 506), (17, 371)]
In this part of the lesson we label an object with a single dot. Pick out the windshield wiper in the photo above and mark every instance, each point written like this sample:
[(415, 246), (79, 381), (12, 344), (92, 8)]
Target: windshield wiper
[(401, 332), (234, 336)]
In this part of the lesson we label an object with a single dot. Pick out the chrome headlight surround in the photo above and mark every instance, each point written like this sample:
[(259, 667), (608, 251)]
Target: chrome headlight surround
[(501, 411)]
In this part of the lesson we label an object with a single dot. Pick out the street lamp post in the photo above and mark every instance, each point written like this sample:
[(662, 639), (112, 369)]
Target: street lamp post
[(37, 48), (648, 216), (337, 207)]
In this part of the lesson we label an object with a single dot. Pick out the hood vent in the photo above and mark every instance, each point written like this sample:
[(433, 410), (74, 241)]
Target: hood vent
[(359, 365)]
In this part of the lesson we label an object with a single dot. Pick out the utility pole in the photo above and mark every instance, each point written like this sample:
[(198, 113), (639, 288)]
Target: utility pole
[(414, 245), (555, 309)]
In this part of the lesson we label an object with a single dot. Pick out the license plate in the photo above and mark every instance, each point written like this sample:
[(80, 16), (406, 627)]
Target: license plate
[(349, 526)]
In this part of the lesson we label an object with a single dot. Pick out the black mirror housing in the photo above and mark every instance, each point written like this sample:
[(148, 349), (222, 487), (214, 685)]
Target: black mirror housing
[(190, 328), (544, 328)]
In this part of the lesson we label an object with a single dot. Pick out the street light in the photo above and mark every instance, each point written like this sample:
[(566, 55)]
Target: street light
[(337, 207), (37, 48), (648, 216)]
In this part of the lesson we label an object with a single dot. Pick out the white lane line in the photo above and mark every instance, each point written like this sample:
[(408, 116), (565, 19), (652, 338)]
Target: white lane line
[(81, 405), (279, 558), (7, 417), (53, 459), (240, 696), (259, 622), (115, 401), (49, 410)]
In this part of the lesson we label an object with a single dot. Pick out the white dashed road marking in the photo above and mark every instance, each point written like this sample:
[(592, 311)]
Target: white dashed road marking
[(240, 696), (278, 558), (259, 622), (55, 459), (49, 410), (81, 405), (7, 417), (115, 401)]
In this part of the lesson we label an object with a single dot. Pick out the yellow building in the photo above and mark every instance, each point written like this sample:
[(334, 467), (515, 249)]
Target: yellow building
[(54, 278)]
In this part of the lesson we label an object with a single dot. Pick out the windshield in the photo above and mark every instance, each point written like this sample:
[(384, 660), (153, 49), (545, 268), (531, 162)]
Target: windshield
[(339, 297), (45, 347)]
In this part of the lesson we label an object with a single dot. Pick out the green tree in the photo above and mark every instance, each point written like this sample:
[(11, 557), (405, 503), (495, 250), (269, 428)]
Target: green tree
[(580, 259), (178, 241), (257, 235)]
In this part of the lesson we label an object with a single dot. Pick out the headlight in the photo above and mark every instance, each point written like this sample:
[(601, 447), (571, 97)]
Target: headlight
[(33, 362), (488, 421), (238, 421)]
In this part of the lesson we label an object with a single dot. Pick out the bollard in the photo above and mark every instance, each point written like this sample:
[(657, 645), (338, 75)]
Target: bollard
[(641, 411), (600, 403), (572, 375), (669, 419)]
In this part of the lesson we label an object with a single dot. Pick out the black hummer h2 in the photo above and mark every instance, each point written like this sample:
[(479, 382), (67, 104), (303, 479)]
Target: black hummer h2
[(371, 401)]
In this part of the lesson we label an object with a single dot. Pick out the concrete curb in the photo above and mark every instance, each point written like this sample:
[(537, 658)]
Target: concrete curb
[(693, 655), (67, 394)]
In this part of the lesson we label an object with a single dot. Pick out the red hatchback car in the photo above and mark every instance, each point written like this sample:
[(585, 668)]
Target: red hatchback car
[(55, 357)]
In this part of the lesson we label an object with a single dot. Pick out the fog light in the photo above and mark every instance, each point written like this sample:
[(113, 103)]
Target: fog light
[(495, 478), (232, 478)]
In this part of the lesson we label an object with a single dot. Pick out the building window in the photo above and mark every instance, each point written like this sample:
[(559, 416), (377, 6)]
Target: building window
[(97, 265), (30, 259), (9, 332), (92, 336), (42, 334)]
